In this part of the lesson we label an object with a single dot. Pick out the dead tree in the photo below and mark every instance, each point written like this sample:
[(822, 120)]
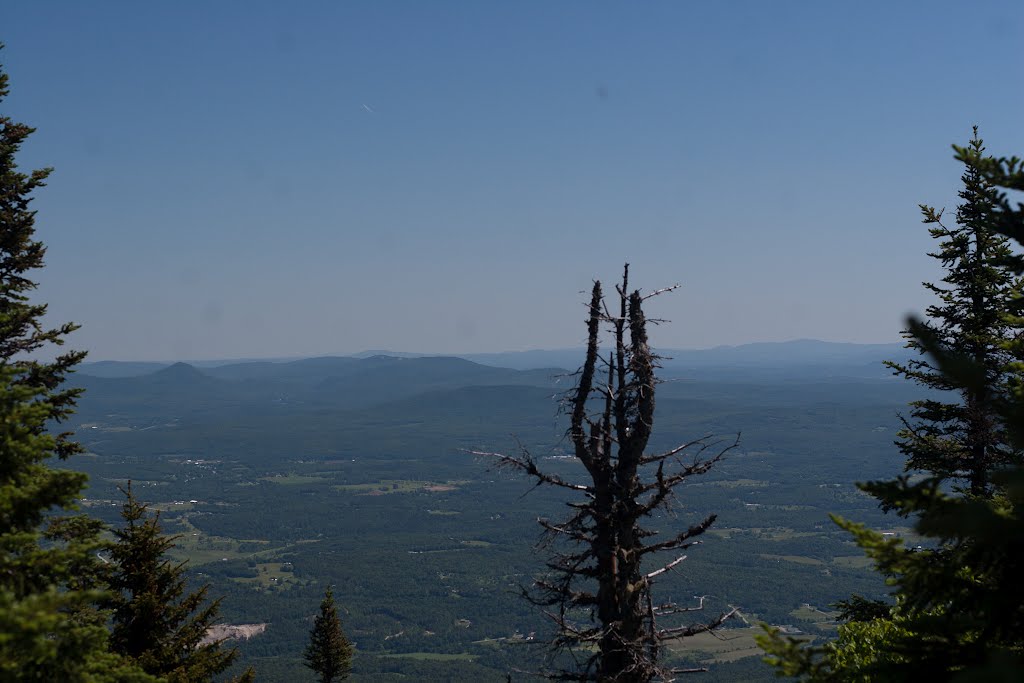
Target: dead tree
[(598, 587)]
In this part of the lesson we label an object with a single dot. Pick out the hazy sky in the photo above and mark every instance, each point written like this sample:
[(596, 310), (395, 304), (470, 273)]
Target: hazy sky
[(241, 179)]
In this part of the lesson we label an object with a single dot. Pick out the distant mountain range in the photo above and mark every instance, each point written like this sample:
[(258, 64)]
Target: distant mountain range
[(148, 393), (764, 355), (800, 356), (154, 391)]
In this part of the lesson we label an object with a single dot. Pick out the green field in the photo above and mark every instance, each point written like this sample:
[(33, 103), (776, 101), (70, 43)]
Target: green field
[(386, 486), (433, 656), (292, 479), (739, 484), (271, 574), (856, 561), (723, 645), (796, 559), (811, 613)]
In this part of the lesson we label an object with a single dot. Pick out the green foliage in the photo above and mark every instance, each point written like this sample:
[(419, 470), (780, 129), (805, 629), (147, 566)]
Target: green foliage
[(39, 642), (50, 629), (855, 655), (156, 622), (959, 609), (962, 437), (859, 608), (959, 605), (29, 487), (1003, 173), (329, 652)]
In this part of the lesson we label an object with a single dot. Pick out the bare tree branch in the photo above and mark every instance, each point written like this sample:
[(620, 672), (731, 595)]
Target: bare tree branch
[(596, 593)]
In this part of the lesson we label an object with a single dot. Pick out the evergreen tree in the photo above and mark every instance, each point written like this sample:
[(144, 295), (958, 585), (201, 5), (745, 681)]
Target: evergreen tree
[(959, 603), (50, 629), (156, 622), (329, 652), (599, 587), (963, 438)]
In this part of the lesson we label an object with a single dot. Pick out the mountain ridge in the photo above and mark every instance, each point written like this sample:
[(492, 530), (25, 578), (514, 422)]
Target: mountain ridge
[(792, 352)]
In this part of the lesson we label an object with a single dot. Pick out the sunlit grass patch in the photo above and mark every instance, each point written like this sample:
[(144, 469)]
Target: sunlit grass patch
[(854, 561), (270, 574), (811, 613), (781, 533), (434, 656), (387, 486), (738, 483), (292, 479), (795, 559), (722, 645)]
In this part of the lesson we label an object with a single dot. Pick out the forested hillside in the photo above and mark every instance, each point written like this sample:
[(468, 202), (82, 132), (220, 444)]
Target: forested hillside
[(297, 487)]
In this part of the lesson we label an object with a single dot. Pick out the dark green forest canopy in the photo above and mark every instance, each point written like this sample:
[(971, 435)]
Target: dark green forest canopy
[(426, 547)]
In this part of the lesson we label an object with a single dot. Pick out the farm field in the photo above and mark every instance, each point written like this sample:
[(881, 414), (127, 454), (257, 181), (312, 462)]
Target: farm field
[(427, 547)]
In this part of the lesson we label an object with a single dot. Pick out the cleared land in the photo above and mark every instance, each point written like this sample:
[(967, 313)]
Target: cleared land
[(723, 645)]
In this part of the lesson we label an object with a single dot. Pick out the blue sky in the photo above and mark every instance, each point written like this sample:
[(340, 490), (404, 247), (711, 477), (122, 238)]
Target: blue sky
[(247, 179)]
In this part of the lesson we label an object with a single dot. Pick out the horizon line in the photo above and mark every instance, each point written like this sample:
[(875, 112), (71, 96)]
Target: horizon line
[(431, 354)]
